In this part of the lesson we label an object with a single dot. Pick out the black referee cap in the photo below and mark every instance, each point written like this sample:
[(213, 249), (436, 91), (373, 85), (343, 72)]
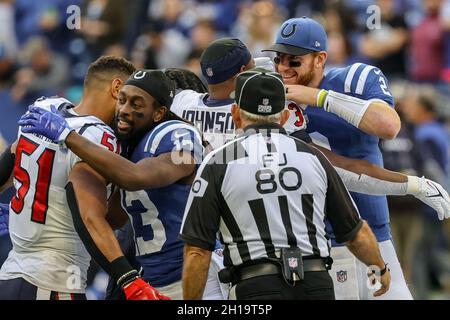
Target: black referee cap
[(155, 83), (223, 59), (260, 92)]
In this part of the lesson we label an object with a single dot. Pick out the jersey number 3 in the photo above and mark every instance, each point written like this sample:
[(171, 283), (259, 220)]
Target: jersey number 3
[(42, 184), (149, 231)]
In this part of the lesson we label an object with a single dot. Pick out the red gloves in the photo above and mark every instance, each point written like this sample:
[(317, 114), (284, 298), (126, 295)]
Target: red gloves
[(138, 289)]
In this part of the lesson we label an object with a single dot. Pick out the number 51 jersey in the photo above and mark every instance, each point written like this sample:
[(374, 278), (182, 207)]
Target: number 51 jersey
[(47, 251)]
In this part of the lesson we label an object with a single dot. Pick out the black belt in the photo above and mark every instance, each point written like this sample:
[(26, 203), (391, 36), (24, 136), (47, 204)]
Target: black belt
[(269, 268)]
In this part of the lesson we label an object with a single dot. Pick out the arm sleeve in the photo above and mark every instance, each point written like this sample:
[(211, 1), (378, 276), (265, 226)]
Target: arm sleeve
[(366, 184), (202, 215), (340, 209)]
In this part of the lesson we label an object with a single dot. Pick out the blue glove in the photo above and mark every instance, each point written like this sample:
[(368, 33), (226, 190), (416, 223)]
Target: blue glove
[(49, 124), (4, 219)]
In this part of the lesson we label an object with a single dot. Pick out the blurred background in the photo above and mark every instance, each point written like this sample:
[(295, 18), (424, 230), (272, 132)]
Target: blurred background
[(45, 49)]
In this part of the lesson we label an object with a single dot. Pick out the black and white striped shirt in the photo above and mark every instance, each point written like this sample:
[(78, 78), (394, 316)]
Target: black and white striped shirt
[(264, 191)]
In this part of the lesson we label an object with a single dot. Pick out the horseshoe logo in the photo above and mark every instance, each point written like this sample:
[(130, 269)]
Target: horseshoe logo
[(287, 35), (139, 75)]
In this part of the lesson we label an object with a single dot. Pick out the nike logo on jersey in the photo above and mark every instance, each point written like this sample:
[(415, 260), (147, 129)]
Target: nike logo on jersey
[(177, 135)]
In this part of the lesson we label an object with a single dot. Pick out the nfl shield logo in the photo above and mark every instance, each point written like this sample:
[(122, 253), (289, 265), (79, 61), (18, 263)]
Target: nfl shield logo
[(341, 276), (265, 101), (292, 262), (209, 72)]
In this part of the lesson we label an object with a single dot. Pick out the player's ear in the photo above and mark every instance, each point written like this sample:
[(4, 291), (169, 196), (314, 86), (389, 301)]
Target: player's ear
[(116, 85), (284, 116), (160, 114), (320, 59), (236, 115)]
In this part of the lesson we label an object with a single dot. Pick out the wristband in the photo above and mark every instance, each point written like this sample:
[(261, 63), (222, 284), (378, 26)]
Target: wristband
[(321, 97), (122, 272), (413, 185), (127, 278)]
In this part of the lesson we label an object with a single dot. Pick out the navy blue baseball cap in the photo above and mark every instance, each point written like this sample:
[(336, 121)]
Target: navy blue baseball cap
[(223, 59), (300, 36), (260, 92)]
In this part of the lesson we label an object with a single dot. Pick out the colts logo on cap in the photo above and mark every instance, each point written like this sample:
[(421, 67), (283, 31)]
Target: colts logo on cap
[(290, 33), (265, 107), (209, 72), (139, 75)]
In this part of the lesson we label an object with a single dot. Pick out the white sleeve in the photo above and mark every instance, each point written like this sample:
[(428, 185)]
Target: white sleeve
[(362, 183), (104, 138), (98, 135), (181, 100)]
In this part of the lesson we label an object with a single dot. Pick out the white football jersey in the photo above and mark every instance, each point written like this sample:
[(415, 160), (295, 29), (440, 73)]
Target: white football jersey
[(297, 119), (214, 122), (47, 251)]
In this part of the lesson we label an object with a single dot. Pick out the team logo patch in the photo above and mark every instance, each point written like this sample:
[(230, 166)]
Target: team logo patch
[(209, 72), (139, 75), (265, 107), (290, 33), (341, 276), (293, 262), (196, 186)]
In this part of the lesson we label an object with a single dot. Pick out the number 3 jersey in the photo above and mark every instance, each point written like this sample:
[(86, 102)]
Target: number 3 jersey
[(332, 132), (47, 251), (156, 213)]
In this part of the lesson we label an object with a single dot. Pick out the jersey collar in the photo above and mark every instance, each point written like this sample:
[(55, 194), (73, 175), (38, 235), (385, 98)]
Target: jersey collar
[(216, 102), (265, 128)]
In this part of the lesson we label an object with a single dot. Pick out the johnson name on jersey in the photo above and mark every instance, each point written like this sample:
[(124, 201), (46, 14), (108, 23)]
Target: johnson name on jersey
[(47, 251), (211, 117)]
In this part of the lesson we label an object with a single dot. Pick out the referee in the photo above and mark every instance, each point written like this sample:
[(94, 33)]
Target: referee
[(268, 194)]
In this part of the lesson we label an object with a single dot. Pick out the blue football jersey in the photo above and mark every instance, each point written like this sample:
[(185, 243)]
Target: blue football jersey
[(156, 214), (327, 129)]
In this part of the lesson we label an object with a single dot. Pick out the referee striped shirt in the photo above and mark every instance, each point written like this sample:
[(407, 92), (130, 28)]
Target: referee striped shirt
[(264, 191)]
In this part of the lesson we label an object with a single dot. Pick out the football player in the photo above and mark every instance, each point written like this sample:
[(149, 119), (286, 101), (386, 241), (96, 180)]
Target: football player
[(155, 184), (48, 259), (349, 109), (367, 177)]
